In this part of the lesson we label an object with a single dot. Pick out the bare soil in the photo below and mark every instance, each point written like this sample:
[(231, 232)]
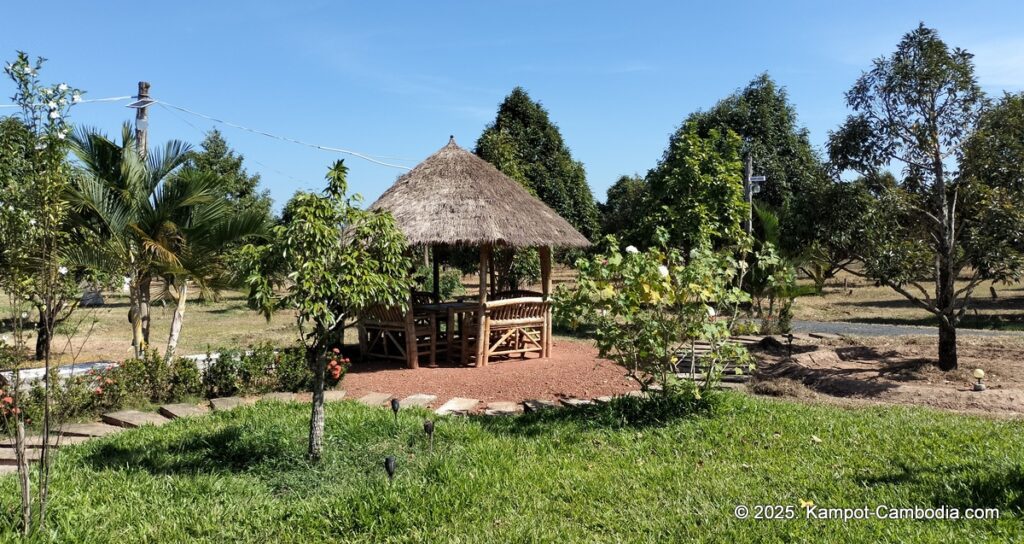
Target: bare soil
[(897, 371), (574, 370)]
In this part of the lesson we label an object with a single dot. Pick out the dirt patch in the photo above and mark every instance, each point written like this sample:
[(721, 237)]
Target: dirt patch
[(573, 370), (897, 371)]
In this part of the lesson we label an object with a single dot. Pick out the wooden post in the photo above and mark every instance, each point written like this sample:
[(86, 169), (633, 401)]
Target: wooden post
[(545, 282), (481, 337), (142, 121), (412, 358), (437, 274)]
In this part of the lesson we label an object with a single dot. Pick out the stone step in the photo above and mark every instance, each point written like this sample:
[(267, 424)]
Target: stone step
[(575, 403), (278, 397), (375, 399), (36, 441), (536, 405), (457, 405), (221, 404), (421, 400), (604, 399), (88, 429), (503, 408), (133, 418), (8, 456), (175, 411), (8, 469), (334, 395)]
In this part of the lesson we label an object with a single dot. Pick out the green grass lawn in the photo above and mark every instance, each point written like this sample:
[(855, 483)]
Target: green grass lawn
[(564, 477)]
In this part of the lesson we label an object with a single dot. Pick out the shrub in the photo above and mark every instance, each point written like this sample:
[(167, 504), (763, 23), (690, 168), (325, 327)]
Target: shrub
[(221, 377), (256, 368), (185, 379), (646, 307), (291, 370)]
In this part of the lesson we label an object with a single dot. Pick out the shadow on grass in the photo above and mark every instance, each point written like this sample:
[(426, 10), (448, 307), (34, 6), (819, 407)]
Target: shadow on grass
[(230, 449), (656, 410), (964, 486)]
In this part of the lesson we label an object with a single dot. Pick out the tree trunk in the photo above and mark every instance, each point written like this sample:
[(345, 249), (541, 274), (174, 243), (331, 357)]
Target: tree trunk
[(23, 477), (316, 419), (144, 299), (176, 321), (43, 340), (947, 345), (135, 318)]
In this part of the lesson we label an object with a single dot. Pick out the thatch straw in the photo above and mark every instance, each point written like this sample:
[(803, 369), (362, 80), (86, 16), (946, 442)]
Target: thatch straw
[(457, 198)]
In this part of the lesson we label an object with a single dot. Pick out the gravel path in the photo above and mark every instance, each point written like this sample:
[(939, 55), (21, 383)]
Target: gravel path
[(874, 329)]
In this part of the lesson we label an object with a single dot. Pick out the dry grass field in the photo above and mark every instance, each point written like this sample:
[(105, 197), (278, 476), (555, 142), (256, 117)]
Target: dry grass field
[(864, 302)]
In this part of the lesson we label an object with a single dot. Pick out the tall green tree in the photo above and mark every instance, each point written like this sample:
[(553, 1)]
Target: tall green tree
[(697, 189), (524, 144), (627, 202), (333, 259), (240, 188), (916, 109), (764, 118)]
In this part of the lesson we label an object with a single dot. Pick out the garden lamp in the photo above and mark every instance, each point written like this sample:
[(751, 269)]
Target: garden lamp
[(394, 408), (389, 467), (979, 374), (428, 427)]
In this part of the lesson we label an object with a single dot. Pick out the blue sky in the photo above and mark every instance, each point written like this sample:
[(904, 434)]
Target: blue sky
[(394, 79)]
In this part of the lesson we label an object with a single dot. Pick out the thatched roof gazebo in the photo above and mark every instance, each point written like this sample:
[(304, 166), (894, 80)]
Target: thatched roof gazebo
[(454, 198)]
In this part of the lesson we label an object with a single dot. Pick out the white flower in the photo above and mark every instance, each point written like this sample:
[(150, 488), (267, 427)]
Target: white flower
[(61, 135), (52, 105), (40, 146), (32, 222), (63, 101), (63, 270), (663, 270), (24, 315), (76, 98), (47, 92), (54, 114), (711, 312), (632, 249), (62, 87)]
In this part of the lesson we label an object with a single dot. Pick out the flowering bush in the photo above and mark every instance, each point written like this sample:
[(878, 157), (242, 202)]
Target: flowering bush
[(645, 307), (337, 366)]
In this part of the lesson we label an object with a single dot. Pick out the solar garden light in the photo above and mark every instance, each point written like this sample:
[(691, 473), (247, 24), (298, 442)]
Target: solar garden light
[(428, 427), (979, 374), (394, 408), (789, 343), (389, 467)]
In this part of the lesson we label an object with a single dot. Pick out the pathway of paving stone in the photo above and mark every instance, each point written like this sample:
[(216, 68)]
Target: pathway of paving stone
[(115, 422)]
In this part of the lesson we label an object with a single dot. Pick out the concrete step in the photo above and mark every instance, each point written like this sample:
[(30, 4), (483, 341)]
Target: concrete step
[(575, 403), (36, 441), (457, 405), (278, 397), (536, 405), (175, 411), (421, 400), (221, 404), (375, 399), (88, 429), (133, 418), (8, 456), (503, 408)]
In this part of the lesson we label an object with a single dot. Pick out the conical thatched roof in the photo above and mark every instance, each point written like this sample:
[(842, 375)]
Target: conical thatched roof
[(455, 197)]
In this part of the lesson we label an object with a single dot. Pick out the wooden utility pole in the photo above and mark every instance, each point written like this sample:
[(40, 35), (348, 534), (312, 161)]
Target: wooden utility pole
[(142, 119), (748, 192)]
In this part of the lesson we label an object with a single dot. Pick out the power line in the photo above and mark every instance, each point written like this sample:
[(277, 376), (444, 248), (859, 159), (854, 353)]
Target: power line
[(84, 101), (203, 132), (286, 139)]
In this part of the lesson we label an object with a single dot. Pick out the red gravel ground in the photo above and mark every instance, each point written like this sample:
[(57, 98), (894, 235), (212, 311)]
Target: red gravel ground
[(573, 370)]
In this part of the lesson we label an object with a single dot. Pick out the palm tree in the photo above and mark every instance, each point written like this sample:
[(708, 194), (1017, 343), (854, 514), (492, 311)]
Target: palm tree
[(143, 212), (199, 249)]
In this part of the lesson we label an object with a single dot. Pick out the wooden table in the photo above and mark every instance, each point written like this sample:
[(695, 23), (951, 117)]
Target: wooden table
[(453, 315)]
